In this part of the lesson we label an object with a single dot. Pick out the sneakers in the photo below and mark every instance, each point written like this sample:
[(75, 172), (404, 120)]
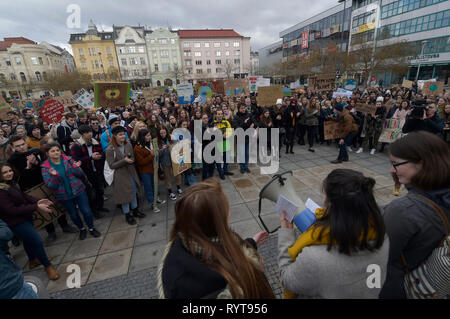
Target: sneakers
[(172, 196), (360, 150), (160, 201), (179, 191), (243, 170), (349, 149), (155, 209), (95, 233), (83, 234), (130, 219), (372, 151), (137, 213)]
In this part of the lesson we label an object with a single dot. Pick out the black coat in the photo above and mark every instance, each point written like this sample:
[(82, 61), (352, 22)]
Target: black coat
[(288, 119), (28, 178), (16, 207)]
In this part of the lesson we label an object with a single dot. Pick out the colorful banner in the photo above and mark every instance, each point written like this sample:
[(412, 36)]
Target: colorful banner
[(252, 83), (305, 39), (218, 87), (350, 84), (205, 91), (286, 92), (363, 28), (112, 94), (317, 34), (392, 131), (84, 98), (181, 160), (236, 86), (334, 28), (433, 88), (185, 93)]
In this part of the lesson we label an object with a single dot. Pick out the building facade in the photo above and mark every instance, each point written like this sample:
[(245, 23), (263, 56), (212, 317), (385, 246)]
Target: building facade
[(67, 58), (94, 53), (254, 63), (164, 56), (131, 53), (214, 54), (270, 55), (25, 65)]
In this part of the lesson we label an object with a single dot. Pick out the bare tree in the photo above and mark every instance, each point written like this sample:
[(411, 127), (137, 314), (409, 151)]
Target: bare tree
[(177, 73), (228, 69)]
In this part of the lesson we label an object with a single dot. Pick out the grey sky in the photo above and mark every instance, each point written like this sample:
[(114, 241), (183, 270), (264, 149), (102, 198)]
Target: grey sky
[(45, 20)]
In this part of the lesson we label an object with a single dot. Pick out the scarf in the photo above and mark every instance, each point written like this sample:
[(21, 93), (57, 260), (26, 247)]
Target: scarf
[(311, 237)]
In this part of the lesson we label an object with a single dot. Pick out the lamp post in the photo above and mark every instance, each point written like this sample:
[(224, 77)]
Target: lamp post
[(101, 63), (418, 67)]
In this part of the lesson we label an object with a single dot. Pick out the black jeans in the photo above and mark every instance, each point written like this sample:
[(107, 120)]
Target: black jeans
[(62, 221), (311, 135), (96, 200), (301, 131), (290, 134), (343, 147)]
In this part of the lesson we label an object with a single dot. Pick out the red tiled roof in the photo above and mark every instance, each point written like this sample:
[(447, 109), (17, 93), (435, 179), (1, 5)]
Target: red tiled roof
[(9, 41), (213, 33)]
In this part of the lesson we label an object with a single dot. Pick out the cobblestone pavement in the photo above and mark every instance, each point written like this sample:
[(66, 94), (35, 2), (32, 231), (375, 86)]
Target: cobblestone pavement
[(122, 262)]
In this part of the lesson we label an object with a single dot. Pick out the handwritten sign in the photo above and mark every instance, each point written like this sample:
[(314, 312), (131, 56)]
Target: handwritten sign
[(112, 94), (366, 108), (433, 88), (236, 87), (185, 93), (332, 130), (181, 157), (52, 111), (325, 82), (392, 130), (268, 95), (4, 109), (407, 84), (218, 87), (84, 98)]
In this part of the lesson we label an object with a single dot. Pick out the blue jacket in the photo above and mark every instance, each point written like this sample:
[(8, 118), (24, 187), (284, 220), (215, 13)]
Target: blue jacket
[(11, 280), (106, 138)]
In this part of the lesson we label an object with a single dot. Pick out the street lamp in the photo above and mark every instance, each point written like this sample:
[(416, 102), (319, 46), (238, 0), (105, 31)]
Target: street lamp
[(101, 63), (418, 68)]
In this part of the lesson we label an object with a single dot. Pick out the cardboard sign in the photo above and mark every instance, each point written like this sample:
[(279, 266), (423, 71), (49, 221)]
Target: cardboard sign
[(181, 157), (40, 220), (4, 109), (433, 88), (112, 94), (252, 83), (325, 82), (185, 93), (236, 87), (218, 87), (286, 92), (52, 111), (332, 130), (407, 84), (268, 95), (392, 131), (366, 108), (154, 92), (84, 98), (262, 82), (64, 100), (205, 91), (350, 84)]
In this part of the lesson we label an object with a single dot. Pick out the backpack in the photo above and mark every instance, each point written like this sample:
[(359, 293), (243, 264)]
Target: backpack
[(431, 279)]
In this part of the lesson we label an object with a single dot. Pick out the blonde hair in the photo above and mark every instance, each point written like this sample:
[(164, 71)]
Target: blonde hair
[(136, 130)]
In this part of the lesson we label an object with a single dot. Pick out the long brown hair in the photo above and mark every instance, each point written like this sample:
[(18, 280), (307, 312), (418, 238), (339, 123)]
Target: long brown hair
[(202, 212)]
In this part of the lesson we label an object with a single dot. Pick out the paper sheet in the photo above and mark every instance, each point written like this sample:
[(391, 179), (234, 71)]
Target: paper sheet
[(311, 205), (284, 204)]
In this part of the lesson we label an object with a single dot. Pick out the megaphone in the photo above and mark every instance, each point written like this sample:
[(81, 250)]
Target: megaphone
[(281, 184)]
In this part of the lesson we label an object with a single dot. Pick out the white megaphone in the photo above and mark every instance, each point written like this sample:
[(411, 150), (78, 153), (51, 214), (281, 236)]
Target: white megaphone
[(281, 184)]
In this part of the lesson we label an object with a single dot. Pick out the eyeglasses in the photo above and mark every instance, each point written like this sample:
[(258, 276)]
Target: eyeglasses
[(398, 164)]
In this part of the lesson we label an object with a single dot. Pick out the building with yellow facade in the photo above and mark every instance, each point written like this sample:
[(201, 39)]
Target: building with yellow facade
[(94, 53)]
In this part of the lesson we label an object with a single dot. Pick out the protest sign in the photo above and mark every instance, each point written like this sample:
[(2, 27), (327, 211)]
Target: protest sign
[(65, 100), (286, 92), (40, 219), (350, 84), (205, 91), (325, 82), (112, 94), (252, 83), (218, 87), (4, 108), (341, 93), (262, 82), (154, 92), (236, 87), (332, 130), (366, 108), (84, 98), (181, 157), (295, 85), (52, 111), (392, 130), (433, 88), (420, 83), (407, 84), (185, 93), (268, 95)]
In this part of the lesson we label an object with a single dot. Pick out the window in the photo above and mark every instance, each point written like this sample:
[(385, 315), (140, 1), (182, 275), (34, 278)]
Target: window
[(99, 51), (189, 71), (38, 76), (121, 50), (34, 61), (237, 61), (198, 62), (83, 65), (22, 77), (218, 70), (96, 64), (174, 53), (218, 61), (208, 70), (403, 6), (175, 66), (162, 41), (208, 53), (218, 53), (165, 67), (206, 44), (18, 61), (196, 44), (133, 61), (154, 54), (199, 71), (141, 49), (12, 76), (111, 63), (172, 41), (144, 72), (197, 53), (188, 63), (237, 53), (108, 50), (208, 62), (156, 68), (227, 44), (142, 61), (186, 45), (227, 53), (152, 41), (236, 44), (187, 53), (131, 49), (164, 53), (8, 61), (124, 62), (93, 65), (80, 51), (93, 51), (217, 44)]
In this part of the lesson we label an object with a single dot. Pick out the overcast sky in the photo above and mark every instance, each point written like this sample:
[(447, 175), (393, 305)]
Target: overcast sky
[(262, 20)]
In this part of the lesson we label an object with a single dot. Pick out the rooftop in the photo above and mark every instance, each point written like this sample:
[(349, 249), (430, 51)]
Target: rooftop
[(208, 33), (7, 42)]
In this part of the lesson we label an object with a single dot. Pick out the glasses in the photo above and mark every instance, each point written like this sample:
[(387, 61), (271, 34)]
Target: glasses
[(398, 164)]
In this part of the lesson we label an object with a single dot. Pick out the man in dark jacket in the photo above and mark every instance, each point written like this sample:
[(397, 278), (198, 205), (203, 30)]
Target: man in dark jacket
[(422, 119), (28, 162), (89, 152), (291, 118), (244, 120), (64, 132)]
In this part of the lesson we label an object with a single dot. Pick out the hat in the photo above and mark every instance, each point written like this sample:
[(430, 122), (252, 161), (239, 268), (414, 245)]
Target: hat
[(118, 129), (82, 113), (279, 101), (112, 120), (293, 100), (131, 119), (388, 92), (380, 99), (84, 129), (339, 107)]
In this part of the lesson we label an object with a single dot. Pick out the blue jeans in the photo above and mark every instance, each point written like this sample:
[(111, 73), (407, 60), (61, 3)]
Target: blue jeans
[(133, 204), (245, 164), (343, 147), (207, 170), (83, 204), (223, 167), (149, 186), (32, 242), (26, 292)]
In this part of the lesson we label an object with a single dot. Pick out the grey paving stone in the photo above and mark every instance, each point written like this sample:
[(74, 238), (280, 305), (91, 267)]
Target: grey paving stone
[(147, 256), (150, 233)]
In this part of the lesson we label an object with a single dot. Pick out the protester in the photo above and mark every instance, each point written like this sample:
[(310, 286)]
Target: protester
[(245, 121), (64, 132), (126, 183), (107, 135), (34, 136), (421, 162), (165, 160), (16, 210), (311, 119), (225, 128), (204, 258), (349, 129), (64, 177), (373, 124), (290, 119)]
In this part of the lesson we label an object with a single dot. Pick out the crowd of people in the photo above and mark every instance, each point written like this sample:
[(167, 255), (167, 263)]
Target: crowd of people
[(93, 148)]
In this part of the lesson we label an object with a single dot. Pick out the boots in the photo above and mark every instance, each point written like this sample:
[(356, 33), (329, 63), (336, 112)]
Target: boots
[(396, 191), (51, 272)]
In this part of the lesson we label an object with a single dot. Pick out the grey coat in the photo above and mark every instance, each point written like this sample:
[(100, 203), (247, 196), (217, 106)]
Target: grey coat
[(318, 273), (123, 172), (310, 118)]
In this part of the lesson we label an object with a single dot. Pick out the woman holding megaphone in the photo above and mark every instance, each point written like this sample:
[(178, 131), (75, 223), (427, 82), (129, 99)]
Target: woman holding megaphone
[(344, 253)]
